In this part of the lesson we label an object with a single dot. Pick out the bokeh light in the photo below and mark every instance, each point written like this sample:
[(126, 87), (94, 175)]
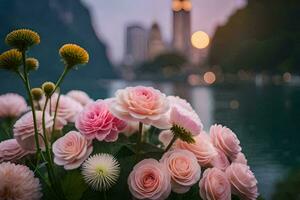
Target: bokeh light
[(234, 104), (200, 40), (194, 79), (209, 77)]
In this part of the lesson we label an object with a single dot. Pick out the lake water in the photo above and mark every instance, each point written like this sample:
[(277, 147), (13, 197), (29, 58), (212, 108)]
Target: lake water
[(266, 119)]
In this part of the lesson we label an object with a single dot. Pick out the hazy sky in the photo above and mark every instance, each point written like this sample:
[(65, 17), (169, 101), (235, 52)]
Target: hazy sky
[(110, 18)]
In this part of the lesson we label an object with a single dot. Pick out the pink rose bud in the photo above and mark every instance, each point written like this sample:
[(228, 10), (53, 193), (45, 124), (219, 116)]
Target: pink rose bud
[(149, 179), (165, 137), (214, 185), (71, 150), (142, 104), (24, 130), (203, 149), (12, 105), (96, 121), (67, 109), (243, 181), (80, 96), (225, 140), (10, 150), (183, 168)]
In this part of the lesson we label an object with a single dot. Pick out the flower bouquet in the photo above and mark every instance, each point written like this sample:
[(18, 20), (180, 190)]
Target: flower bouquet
[(139, 144)]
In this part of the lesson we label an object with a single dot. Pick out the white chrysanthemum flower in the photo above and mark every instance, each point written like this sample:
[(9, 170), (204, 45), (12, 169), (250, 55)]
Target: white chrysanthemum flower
[(101, 171)]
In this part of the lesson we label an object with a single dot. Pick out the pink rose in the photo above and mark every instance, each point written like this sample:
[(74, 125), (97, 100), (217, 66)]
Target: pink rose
[(71, 150), (165, 137), (243, 181), (143, 104), (96, 121), (24, 130), (80, 96), (67, 109), (220, 161), (203, 149), (10, 150), (149, 179), (183, 168), (12, 105), (240, 158), (225, 140), (214, 185)]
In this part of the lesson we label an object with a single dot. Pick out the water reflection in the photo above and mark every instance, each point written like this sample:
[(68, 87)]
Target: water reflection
[(264, 118)]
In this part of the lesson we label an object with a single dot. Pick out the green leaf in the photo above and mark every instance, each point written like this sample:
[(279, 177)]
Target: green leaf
[(73, 185)]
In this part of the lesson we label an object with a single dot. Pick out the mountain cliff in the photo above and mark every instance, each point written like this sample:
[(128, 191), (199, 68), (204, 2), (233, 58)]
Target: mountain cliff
[(58, 22)]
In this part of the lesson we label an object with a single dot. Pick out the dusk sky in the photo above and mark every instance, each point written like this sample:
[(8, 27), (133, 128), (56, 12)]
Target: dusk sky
[(110, 18)]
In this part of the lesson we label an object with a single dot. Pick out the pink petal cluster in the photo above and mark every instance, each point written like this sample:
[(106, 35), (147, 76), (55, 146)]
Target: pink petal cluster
[(149, 179), (183, 115), (165, 137), (133, 127), (243, 181), (18, 183), (176, 101), (203, 149), (214, 185), (12, 105), (10, 150), (96, 121), (80, 96), (225, 140), (240, 158), (183, 168), (67, 109), (24, 129), (143, 104), (71, 150), (220, 161), (186, 119)]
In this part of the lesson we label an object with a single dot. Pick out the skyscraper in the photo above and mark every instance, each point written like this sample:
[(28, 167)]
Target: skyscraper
[(182, 26), (136, 45), (155, 43)]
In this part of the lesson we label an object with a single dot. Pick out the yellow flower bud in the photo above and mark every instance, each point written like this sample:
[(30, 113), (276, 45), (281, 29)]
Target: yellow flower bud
[(32, 64), (48, 88), (37, 93)]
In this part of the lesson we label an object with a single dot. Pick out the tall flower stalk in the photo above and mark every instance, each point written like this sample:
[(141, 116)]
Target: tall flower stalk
[(72, 55)]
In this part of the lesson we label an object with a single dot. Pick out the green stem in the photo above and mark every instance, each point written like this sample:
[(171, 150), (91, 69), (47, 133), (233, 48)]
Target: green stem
[(104, 195), (171, 143), (139, 138), (27, 86), (61, 78), (55, 113)]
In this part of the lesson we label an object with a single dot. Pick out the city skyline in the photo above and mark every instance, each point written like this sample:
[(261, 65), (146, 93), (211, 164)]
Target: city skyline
[(206, 15)]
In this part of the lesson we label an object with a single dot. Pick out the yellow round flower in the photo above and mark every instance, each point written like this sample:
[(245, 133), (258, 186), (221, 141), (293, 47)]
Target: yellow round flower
[(11, 60), (73, 54), (32, 64), (22, 39)]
